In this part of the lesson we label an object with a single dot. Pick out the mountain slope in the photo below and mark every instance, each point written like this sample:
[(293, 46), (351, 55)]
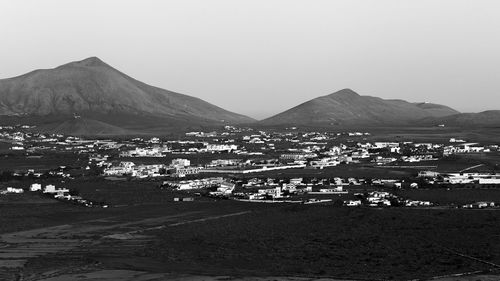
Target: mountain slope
[(490, 118), (436, 110), (82, 126), (346, 107), (91, 87)]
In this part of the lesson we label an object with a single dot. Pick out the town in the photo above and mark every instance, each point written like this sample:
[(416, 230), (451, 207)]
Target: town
[(252, 165)]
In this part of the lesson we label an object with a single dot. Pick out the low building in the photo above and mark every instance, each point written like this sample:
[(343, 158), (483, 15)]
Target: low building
[(50, 188), (352, 203), (35, 187), (14, 190), (489, 181)]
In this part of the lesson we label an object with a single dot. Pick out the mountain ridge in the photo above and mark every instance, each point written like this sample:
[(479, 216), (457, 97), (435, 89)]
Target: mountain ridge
[(346, 107), (91, 86), (109, 100), (488, 118)]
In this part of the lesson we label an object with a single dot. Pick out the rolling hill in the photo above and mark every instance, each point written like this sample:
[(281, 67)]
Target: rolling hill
[(106, 98), (347, 108)]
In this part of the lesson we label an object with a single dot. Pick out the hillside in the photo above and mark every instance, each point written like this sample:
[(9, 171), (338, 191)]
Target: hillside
[(436, 110), (83, 126), (346, 107), (490, 118), (91, 88)]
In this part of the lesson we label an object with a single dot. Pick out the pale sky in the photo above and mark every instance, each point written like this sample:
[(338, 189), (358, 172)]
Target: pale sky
[(262, 57)]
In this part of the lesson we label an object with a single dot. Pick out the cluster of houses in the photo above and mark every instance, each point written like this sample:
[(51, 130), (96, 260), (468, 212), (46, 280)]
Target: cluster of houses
[(292, 149), (178, 168), (384, 199), (464, 148), (480, 205), (293, 191), (318, 149), (31, 173), (22, 139), (460, 178), (193, 184), (156, 151), (232, 150), (56, 193), (11, 189)]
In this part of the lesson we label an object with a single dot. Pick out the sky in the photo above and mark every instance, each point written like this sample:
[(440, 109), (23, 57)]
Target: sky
[(261, 57)]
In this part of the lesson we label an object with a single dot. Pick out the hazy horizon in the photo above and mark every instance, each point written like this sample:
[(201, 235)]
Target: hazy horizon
[(260, 58)]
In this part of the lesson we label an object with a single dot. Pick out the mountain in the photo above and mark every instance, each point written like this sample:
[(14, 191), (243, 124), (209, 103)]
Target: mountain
[(96, 91), (490, 118), (346, 107)]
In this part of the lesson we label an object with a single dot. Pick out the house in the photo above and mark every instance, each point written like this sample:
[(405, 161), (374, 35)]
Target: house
[(14, 190), (35, 187), (273, 192), (386, 145), (180, 162), (184, 185), (298, 156), (182, 172), (123, 168), (185, 199), (427, 174), (324, 162), (50, 189), (296, 181), (414, 203), (489, 181), (383, 160), (352, 203), (334, 190), (226, 187), (221, 147), (224, 162), (479, 205)]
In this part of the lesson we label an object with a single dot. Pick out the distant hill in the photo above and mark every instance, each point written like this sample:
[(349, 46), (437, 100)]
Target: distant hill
[(95, 91), (346, 108), (490, 118)]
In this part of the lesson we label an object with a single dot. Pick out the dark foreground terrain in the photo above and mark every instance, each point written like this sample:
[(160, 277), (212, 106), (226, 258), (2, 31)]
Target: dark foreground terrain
[(47, 240)]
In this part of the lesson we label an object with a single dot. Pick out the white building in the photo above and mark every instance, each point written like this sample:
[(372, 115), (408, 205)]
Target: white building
[(324, 162), (180, 162), (353, 203), (221, 147), (50, 188), (14, 190), (35, 187), (489, 181), (273, 192)]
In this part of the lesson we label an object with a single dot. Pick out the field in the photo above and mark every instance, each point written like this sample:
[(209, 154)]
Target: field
[(228, 238), (18, 161), (342, 243)]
